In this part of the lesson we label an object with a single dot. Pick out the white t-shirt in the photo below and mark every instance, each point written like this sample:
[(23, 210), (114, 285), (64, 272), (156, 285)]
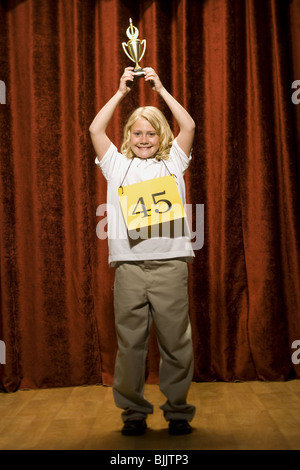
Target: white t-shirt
[(114, 166)]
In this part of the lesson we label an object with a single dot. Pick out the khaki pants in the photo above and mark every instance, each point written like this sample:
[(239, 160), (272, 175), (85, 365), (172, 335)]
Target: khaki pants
[(147, 291)]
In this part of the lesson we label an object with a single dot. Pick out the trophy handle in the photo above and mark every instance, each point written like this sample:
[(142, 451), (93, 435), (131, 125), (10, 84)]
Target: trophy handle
[(125, 50), (144, 50)]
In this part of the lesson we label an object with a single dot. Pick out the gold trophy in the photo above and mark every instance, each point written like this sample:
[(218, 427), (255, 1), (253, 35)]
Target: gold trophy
[(133, 48)]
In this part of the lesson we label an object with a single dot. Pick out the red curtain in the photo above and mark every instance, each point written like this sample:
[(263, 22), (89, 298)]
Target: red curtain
[(232, 64)]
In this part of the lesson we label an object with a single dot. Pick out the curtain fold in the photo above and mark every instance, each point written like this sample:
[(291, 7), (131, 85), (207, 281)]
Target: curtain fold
[(231, 63)]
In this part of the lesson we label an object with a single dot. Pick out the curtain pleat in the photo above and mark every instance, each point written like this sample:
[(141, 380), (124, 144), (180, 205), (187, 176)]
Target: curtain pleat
[(231, 63)]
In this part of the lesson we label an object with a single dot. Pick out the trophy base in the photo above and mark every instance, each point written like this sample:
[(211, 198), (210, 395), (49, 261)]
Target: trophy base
[(139, 73)]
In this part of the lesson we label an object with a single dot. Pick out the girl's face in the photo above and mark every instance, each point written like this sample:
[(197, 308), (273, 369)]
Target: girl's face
[(144, 141)]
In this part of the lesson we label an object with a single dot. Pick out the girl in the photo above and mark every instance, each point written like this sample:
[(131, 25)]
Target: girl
[(151, 276)]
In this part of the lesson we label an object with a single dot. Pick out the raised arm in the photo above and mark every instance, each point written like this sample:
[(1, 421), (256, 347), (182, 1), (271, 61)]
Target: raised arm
[(185, 122), (99, 125)]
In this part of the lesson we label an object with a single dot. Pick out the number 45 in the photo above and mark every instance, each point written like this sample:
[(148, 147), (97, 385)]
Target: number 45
[(147, 212)]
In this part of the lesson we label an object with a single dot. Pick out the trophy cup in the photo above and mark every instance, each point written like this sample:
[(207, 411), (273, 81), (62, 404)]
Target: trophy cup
[(133, 48)]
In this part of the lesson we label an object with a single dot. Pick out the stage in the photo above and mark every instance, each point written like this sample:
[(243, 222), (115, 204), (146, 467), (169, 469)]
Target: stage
[(230, 416)]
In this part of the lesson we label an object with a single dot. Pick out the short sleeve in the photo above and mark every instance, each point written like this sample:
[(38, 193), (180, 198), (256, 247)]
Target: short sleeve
[(111, 163), (179, 158)]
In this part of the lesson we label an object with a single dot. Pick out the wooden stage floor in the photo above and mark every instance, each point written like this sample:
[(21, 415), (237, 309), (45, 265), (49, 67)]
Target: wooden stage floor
[(248, 415)]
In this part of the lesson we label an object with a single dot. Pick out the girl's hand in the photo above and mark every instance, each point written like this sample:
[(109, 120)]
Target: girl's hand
[(126, 81), (153, 78)]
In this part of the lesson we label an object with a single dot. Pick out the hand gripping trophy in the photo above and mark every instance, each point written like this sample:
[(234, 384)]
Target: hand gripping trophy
[(133, 48)]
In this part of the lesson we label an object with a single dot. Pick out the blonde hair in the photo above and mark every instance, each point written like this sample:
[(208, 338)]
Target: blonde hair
[(158, 121)]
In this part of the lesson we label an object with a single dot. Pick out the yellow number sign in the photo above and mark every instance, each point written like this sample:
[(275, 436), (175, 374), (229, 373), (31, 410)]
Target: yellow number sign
[(151, 203)]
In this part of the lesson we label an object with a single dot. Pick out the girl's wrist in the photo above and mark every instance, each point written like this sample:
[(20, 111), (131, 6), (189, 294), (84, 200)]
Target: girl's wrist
[(162, 91), (121, 94)]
